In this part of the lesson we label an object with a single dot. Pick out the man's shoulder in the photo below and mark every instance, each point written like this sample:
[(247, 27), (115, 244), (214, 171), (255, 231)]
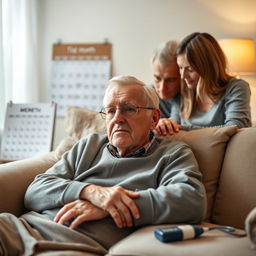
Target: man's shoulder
[(167, 144), (90, 145), (94, 138)]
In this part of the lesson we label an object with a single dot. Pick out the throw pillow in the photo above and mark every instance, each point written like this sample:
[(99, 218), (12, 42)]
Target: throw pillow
[(79, 122), (209, 146)]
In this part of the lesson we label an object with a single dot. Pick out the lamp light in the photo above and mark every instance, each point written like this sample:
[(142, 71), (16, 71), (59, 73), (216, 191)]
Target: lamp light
[(240, 54)]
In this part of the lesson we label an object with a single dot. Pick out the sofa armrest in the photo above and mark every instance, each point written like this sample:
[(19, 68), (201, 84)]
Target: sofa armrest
[(235, 196), (15, 178)]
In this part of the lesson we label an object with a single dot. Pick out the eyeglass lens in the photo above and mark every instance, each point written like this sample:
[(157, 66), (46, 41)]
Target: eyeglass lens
[(127, 110)]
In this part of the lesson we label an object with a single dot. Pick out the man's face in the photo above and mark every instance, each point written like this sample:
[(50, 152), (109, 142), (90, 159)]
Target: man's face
[(128, 133), (166, 79)]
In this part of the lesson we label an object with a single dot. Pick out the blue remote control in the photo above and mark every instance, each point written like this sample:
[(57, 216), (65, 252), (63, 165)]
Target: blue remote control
[(178, 233)]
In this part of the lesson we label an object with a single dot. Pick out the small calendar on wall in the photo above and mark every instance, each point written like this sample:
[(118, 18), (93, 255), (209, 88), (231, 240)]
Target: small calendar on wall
[(79, 75), (28, 130)]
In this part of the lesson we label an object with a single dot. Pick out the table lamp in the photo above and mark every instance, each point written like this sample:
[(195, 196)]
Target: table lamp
[(240, 54)]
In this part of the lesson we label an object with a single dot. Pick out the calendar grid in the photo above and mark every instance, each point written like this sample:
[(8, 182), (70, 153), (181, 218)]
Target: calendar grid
[(28, 130), (79, 75)]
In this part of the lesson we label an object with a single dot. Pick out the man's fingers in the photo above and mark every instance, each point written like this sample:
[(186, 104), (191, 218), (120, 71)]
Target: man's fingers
[(115, 214), (125, 214), (72, 213), (132, 194), (78, 220), (123, 201), (117, 201), (131, 205), (62, 211)]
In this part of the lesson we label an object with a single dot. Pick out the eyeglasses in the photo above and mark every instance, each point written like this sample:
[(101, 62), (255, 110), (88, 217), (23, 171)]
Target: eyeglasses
[(127, 110)]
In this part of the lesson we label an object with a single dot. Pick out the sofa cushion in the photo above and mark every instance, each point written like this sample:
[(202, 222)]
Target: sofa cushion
[(236, 195), (209, 146), (212, 243)]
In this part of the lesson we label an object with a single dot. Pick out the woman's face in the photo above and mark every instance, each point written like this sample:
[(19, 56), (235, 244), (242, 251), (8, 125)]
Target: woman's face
[(187, 73)]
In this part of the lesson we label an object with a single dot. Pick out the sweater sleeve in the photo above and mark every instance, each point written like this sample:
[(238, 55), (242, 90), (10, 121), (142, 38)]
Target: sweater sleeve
[(237, 104), (180, 196), (60, 184)]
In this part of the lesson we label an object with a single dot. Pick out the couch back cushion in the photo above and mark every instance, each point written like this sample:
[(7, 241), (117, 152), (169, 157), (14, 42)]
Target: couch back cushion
[(236, 194), (208, 144), (79, 122)]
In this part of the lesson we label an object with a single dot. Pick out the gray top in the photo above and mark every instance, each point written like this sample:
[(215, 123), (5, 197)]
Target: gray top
[(166, 106), (233, 108), (167, 178)]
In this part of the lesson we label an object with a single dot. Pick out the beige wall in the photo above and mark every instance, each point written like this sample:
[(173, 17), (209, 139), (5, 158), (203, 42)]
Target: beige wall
[(135, 28)]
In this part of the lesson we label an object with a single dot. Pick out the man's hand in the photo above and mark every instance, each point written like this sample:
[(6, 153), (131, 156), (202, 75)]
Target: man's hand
[(167, 126), (117, 201), (80, 211)]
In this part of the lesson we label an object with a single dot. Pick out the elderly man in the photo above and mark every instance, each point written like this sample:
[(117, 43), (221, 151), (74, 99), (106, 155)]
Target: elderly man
[(166, 81), (107, 186)]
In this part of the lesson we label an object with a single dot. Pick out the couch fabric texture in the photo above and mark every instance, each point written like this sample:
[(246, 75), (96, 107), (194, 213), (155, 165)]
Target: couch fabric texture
[(226, 159)]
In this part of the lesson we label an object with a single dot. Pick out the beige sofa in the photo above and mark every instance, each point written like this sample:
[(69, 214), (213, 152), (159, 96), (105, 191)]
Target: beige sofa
[(226, 157)]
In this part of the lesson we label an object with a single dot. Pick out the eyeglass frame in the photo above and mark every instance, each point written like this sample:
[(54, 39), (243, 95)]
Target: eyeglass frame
[(104, 114)]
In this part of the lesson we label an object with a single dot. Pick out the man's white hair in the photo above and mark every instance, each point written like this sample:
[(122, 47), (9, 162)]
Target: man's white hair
[(150, 93)]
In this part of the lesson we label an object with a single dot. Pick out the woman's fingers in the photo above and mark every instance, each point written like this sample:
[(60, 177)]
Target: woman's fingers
[(167, 126)]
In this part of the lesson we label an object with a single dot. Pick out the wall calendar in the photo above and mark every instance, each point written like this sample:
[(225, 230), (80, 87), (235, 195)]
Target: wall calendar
[(28, 130), (79, 75)]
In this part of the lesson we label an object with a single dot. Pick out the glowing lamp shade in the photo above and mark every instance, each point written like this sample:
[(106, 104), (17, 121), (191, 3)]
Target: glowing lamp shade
[(240, 54)]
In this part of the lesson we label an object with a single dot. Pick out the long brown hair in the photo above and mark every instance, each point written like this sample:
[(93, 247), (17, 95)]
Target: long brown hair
[(206, 57)]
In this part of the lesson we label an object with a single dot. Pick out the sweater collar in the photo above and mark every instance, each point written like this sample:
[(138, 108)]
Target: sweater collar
[(138, 153)]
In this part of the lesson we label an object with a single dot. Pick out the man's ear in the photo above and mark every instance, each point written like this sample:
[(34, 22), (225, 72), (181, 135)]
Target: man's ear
[(155, 118)]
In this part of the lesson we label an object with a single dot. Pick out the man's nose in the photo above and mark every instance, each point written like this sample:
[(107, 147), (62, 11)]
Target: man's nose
[(162, 85), (118, 116)]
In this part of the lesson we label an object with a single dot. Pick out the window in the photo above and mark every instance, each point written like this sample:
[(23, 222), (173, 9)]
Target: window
[(18, 42)]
